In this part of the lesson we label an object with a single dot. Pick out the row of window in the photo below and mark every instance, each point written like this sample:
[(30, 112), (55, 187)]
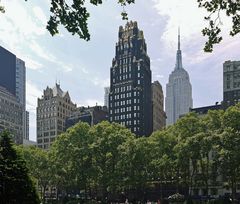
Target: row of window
[(123, 95), (127, 116), (45, 140), (125, 69), (123, 89), (127, 102), (123, 110), (126, 60), (123, 103)]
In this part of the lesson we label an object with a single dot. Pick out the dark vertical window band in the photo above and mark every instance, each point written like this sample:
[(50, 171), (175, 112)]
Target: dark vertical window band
[(8, 70)]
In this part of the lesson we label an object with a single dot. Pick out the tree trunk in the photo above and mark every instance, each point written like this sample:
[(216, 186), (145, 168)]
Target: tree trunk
[(234, 191), (44, 192)]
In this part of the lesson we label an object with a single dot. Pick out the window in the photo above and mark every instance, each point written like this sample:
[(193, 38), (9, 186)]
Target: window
[(138, 67)]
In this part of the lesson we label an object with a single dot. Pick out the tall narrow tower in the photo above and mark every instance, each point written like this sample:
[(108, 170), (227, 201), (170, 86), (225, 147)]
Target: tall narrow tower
[(130, 90), (178, 90)]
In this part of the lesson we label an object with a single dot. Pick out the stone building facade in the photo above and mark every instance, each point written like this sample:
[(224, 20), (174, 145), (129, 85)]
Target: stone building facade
[(52, 110), (130, 82), (231, 83), (106, 96), (91, 115), (178, 91), (159, 116)]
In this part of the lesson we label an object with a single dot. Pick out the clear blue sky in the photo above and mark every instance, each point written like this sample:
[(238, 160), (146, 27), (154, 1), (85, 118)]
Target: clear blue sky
[(83, 67)]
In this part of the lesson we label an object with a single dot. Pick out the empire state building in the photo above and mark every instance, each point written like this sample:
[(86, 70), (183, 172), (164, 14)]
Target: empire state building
[(178, 91)]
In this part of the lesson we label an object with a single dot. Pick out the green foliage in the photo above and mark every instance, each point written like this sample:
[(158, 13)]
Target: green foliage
[(39, 166), (230, 8), (73, 15), (108, 159), (16, 186)]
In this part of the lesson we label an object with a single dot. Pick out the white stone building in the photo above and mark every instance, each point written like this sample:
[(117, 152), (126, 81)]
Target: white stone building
[(52, 110), (178, 91)]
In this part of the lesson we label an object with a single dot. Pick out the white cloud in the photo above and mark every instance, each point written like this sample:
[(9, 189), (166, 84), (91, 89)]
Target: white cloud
[(41, 52), (32, 64), (32, 93), (187, 15), (19, 16), (38, 12), (100, 82)]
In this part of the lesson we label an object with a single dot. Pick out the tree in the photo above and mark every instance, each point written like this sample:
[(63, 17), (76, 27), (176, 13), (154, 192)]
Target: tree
[(135, 167), (229, 158), (39, 167), (231, 8), (162, 164), (16, 186), (71, 159), (187, 148), (109, 141), (228, 149), (73, 15)]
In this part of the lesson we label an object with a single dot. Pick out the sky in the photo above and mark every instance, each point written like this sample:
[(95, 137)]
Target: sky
[(83, 68)]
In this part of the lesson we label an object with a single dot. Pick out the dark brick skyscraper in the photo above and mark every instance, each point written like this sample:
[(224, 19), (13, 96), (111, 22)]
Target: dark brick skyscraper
[(130, 90)]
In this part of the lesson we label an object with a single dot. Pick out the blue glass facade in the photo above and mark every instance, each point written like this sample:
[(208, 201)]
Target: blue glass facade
[(8, 70)]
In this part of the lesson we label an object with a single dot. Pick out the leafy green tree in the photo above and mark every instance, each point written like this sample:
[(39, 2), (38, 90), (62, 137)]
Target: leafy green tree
[(228, 151), (187, 148), (39, 167), (213, 121), (205, 143), (71, 159), (16, 186), (135, 166), (162, 162), (109, 141), (231, 8), (73, 15), (229, 158)]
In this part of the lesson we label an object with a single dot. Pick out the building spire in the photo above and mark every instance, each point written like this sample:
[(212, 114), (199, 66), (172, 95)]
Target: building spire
[(179, 53), (178, 38)]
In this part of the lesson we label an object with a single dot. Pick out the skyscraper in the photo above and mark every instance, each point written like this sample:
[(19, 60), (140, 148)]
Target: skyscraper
[(8, 70), (178, 91), (106, 96), (130, 85), (13, 79), (231, 83), (159, 116), (21, 91), (52, 110), (11, 115)]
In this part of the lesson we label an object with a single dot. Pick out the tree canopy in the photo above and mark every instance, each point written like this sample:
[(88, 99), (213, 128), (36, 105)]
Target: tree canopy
[(107, 162), (16, 187)]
